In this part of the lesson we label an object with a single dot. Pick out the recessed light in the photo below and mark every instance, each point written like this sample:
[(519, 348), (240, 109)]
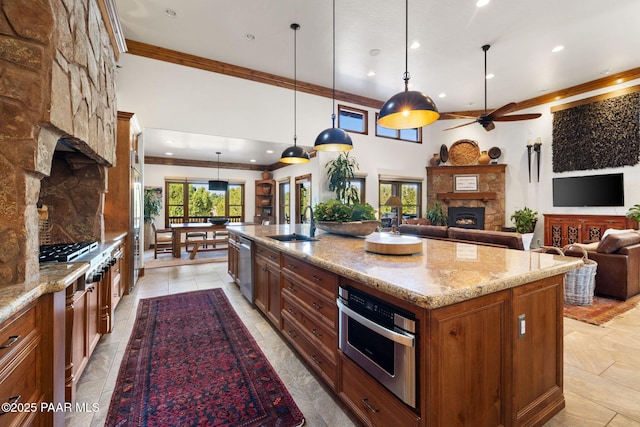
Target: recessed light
[(374, 52), (442, 95), (482, 3), (490, 76), (557, 48), (250, 37), (371, 73), (168, 154), (416, 44), (619, 80), (170, 13), (269, 151), (252, 160)]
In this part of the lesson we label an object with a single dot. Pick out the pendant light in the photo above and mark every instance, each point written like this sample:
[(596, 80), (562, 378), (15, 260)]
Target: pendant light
[(294, 154), (408, 109), (333, 139), (218, 185)]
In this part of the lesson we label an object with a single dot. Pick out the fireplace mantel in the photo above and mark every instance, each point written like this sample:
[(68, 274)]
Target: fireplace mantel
[(490, 194)]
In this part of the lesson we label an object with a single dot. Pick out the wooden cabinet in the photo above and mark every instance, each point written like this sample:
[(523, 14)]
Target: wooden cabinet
[(371, 402), (537, 348), (562, 230), (266, 200), (469, 352), (309, 314), (267, 283), (233, 255), (123, 200), (21, 368)]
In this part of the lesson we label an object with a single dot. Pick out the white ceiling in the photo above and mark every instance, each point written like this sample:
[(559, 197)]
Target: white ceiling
[(599, 38)]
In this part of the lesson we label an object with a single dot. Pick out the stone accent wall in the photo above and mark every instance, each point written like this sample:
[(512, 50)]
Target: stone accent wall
[(57, 70), (490, 194)]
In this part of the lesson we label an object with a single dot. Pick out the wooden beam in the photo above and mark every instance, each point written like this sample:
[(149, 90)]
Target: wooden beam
[(602, 97), (172, 161)]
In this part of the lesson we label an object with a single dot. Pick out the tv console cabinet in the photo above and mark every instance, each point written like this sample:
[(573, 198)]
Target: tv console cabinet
[(564, 229)]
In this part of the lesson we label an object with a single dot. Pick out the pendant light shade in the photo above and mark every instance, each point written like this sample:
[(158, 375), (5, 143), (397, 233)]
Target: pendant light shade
[(408, 109), (294, 154), (218, 184), (333, 139)]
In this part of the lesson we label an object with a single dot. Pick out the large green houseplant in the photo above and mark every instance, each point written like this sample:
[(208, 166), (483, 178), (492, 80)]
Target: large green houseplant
[(340, 172), (358, 219), (634, 212), (436, 215), (152, 205)]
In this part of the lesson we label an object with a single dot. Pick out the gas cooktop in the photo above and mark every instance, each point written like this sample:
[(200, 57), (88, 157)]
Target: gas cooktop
[(65, 252)]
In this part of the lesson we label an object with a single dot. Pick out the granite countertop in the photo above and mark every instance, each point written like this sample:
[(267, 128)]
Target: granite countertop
[(53, 277), (442, 274)]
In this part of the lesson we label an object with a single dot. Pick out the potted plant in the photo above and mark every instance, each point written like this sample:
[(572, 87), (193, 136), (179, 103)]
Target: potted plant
[(525, 221), (358, 219), (436, 215), (634, 213), (151, 208), (340, 172)]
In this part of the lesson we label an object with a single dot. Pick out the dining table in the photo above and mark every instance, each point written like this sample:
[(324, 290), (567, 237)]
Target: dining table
[(190, 227)]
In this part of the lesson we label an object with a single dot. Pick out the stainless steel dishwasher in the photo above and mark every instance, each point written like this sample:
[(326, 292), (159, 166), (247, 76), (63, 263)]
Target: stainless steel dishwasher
[(245, 268)]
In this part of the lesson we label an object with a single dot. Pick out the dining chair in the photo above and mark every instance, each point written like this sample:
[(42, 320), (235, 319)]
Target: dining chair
[(163, 241)]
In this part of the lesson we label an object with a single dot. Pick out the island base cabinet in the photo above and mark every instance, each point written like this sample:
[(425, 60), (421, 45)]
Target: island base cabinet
[(374, 405), (468, 378), (537, 351)]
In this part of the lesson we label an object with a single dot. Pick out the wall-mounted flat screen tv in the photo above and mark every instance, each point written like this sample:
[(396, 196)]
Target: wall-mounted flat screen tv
[(593, 190)]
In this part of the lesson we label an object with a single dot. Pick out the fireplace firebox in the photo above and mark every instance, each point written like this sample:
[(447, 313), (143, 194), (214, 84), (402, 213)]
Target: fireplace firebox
[(466, 217)]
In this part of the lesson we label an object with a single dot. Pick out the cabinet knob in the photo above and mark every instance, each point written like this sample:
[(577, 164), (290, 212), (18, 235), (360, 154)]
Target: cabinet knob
[(365, 401)]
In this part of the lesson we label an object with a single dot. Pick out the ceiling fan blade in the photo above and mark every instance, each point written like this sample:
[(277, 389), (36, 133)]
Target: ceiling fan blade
[(516, 117), (459, 126), (499, 112), (489, 126), (456, 116)]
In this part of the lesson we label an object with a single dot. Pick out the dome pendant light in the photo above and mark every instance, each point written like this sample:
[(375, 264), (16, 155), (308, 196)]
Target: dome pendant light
[(294, 154), (408, 109), (333, 139), (218, 185)]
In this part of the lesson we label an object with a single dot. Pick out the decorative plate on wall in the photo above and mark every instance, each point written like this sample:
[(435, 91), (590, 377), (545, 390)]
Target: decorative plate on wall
[(464, 152), (444, 153), (494, 152)]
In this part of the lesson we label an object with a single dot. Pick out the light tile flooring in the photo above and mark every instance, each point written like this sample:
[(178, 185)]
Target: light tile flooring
[(601, 364)]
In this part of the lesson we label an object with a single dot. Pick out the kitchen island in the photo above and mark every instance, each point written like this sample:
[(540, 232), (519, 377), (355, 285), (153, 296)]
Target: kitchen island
[(488, 324)]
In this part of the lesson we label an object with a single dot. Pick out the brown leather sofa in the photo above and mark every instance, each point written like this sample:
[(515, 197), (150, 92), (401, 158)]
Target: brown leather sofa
[(505, 239), (618, 258)]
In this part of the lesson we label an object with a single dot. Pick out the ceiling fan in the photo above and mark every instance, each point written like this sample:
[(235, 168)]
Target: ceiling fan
[(497, 115)]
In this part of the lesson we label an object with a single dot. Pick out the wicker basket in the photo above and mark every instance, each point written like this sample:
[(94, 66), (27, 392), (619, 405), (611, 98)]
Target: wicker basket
[(579, 284)]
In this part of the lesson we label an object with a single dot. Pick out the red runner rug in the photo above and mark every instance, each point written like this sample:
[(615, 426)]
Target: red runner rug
[(190, 361), (601, 311)]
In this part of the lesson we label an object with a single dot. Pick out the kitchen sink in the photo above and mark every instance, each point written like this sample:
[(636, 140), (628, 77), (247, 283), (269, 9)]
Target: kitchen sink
[(293, 238)]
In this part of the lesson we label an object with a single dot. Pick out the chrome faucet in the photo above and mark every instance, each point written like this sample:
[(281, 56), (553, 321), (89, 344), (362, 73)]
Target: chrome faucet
[(312, 224)]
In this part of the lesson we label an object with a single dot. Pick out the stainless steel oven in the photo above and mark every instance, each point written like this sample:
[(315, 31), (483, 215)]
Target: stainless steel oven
[(380, 338)]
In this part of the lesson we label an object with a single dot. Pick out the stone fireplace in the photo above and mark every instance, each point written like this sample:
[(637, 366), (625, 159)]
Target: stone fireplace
[(488, 191), (57, 133)]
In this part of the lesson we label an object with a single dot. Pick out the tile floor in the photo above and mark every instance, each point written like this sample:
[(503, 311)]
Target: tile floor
[(602, 364)]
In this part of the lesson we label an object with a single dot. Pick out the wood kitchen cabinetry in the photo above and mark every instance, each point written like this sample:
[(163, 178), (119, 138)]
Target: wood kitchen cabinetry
[(123, 200), (562, 230), (309, 314), (267, 283), (265, 200), (233, 255)]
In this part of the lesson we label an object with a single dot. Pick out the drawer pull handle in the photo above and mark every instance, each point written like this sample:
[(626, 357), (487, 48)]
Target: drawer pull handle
[(291, 288), (316, 278), (291, 311), (316, 333), (315, 359), (291, 266), (365, 401), (264, 268), (316, 306), (292, 334), (11, 341), (11, 401)]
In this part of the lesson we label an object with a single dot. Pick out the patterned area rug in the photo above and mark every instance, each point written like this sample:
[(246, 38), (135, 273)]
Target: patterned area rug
[(191, 361), (601, 311)]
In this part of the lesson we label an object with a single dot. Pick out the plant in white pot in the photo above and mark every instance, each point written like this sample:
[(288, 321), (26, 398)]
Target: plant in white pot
[(525, 221)]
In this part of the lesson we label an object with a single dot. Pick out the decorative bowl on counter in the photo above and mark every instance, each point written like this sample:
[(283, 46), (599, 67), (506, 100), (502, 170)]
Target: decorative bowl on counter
[(349, 228), (218, 220)]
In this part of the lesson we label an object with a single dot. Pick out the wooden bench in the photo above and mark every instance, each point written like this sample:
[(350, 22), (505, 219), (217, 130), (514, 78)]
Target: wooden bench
[(203, 246)]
